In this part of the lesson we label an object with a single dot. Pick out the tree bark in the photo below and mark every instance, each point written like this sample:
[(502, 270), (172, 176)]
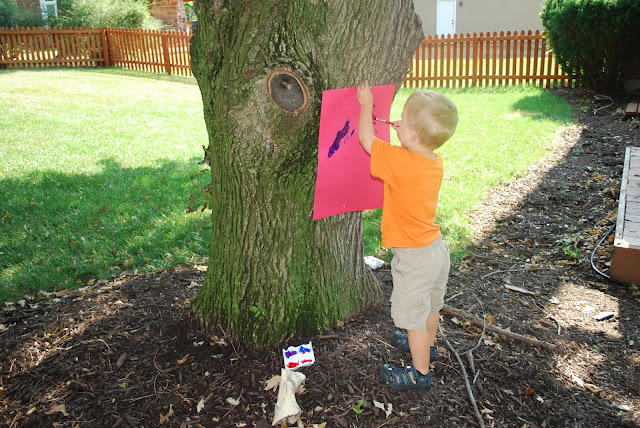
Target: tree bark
[(273, 271)]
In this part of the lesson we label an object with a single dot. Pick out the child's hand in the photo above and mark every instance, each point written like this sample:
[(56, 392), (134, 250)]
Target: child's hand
[(364, 95), (366, 133)]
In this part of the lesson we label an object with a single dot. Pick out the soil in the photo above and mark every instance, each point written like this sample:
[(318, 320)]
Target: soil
[(126, 353)]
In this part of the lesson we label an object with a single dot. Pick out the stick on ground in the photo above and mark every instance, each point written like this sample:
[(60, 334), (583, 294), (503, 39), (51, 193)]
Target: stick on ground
[(515, 336)]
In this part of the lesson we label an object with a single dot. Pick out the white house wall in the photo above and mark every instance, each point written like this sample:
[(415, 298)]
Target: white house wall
[(475, 16)]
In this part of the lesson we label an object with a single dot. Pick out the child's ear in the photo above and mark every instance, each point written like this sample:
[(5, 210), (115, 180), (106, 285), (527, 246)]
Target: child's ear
[(413, 134)]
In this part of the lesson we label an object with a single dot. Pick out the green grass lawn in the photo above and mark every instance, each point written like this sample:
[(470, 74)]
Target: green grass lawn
[(97, 168), (96, 171)]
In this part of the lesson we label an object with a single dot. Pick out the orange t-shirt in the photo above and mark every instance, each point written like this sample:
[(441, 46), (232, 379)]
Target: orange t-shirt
[(411, 186)]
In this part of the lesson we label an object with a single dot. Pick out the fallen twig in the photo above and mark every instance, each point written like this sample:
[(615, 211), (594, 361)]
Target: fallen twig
[(454, 296), (387, 422), (338, 350), (387, 344), (326, 337), (469, 353), (515, 336), (466, 378), (520, 269), (549, 316), (557, 322), (230, 341), (519, 289), (234, 406)]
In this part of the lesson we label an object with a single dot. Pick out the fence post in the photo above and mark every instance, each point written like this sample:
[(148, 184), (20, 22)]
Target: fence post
[(165, 50), (105, 47), (474, 67)]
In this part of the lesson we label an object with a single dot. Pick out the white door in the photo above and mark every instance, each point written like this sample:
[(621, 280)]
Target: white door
[(446, 23), (49, 8)]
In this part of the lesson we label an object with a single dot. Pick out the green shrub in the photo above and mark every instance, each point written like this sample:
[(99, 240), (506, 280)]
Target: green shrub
[(8, 13), (593, 38), (105, 13), (12, 16), (190, 11)]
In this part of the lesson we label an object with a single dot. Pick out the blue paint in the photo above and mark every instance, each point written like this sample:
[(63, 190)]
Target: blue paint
[(339, 137)]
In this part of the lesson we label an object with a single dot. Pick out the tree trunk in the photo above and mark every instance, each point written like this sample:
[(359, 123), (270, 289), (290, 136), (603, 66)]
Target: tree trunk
[(273, 271)]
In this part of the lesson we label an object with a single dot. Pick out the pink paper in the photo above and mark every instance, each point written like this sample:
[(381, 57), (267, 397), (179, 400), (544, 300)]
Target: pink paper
[(344, 183)]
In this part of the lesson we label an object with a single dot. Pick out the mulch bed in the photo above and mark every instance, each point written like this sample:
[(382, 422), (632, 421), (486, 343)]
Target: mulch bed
[(126, 353)]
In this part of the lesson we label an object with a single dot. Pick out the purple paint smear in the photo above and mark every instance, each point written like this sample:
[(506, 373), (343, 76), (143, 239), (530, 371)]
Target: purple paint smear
[(339, 137), (290, 354), (344, 182)]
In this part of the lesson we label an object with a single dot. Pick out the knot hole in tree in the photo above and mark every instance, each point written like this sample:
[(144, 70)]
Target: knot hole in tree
[(288, 91)]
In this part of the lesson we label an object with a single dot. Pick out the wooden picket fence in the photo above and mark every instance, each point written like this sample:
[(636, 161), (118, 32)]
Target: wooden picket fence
[(148, 50), (486, 60), (448, 61), (62, 47)]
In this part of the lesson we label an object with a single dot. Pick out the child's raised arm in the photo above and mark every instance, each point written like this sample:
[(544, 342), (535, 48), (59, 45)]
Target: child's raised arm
[(365, 126)]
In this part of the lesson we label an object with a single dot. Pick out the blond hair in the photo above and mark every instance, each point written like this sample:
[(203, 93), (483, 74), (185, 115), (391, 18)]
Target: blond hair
[(432, 116)]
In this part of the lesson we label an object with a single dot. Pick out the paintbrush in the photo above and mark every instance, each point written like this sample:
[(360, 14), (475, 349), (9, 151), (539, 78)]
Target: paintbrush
[(377, 119)]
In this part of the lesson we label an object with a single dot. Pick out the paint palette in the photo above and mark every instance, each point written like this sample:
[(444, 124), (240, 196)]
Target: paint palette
[(296, 357)]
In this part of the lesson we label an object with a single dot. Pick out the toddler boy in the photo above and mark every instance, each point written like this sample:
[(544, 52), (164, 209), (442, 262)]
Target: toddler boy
[(412, 176)]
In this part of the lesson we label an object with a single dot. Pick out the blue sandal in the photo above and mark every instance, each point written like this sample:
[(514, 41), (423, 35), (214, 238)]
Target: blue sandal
[(405, 378), (401, 341)]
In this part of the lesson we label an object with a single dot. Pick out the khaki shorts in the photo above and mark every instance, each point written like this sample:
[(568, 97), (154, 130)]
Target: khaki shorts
[(419, 283)]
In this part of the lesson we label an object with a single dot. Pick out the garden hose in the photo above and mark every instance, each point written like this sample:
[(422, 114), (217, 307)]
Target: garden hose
[(593, 253), (601, 97)]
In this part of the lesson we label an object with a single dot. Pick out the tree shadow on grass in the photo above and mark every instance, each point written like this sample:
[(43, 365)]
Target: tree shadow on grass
[(536, 105), (65, 230)]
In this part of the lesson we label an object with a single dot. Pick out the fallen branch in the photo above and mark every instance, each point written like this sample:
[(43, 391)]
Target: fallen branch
[(455, 295), (469, 354), (556, 320), (473, 369), (465, 377), (515, 336), (519, 289), (522, 269), (326, 337)]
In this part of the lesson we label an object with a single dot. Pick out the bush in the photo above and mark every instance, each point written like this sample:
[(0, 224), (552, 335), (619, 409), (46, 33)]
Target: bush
[(8, 13), (593, 38), (12, 16), (105, 13), (190, 11)]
